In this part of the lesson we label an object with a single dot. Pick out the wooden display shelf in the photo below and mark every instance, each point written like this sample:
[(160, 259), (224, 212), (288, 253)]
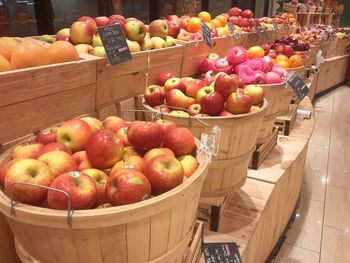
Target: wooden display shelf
[(259, 212), (333, 72), (262, 150), (285, 122)]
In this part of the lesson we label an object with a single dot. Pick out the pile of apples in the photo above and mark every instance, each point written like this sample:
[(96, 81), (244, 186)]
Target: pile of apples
[(251, 66), (279, 18), (222, 95), (100, 164), (83, 34), (30, 53)]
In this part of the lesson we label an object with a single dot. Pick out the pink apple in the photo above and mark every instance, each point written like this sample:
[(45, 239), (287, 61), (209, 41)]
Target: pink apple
[(90, 21), (225, 114), (225, 85), (74, 134), (256, 93), (46, 136), (101, 180), (273, 78), (237, 55), (157, 152), (145, 135), (259, 77), (222, 65), (164, 76), (208, 63), (234, 11), (27, 150), (114, 123), (154, 95), (212, 104), (279, 70), (269, 63), (28, 171), (101, 21), (54, 146), (80, 187), (247, 14), (59, 162), (103, 149), (81, 160), (180, 140), (166, 125), (238, 103), (81, 33)]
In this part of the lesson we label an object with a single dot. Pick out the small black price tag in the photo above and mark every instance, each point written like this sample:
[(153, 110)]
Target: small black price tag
[(234, 32), (276, 27), (298, 85), (206, 32), (221, 253), (114, 42), (256, 29)]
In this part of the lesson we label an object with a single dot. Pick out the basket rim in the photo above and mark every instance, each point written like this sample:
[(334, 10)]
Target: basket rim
[(234, 117), (104, 217)]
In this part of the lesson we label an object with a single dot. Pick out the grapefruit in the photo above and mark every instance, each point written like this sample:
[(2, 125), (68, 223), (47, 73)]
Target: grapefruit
[(6, 46), (62, 51), (4, 64)]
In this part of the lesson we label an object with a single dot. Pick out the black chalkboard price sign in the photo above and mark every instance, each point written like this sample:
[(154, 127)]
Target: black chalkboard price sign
[(298, 85), (206, 32), (275, 27), (221, 253), (114, 42)]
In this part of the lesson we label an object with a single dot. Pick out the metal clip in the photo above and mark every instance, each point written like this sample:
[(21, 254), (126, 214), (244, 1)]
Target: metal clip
[(69, 211)]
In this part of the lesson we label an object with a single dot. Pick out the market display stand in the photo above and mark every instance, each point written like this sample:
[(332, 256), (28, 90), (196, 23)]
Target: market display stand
[(258, 214)]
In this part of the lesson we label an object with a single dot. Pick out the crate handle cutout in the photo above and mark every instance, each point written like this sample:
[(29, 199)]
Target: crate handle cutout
[(69, 211)]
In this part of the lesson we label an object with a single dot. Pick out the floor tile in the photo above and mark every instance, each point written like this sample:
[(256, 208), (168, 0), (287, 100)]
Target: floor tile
[(290, 254), (314, 184), (335, 246), (307, 227), (317, 156), (339, 164), (337, 208)]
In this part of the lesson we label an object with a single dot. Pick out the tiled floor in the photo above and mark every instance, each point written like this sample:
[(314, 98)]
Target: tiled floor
[(321, 231)]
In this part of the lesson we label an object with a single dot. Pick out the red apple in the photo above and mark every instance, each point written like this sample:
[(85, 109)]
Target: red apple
[(114, 123), (46, 136), (234, 11), (164, 76), (225, 85), (244, 23), (135, 30), (80, 187), (129, 152), (154, 95), (237, 55), (121, 134), (145, 135), (27, 150), (267, 48), (4, 169), (157, 152), (81, 33), (74, 134), (234, 20), (180, 140), (203, 92), (101, 181), (54, 146), (194, 109), (90, 21), (238, 103), (184, 35), (240, 82), (189, 164), (173, 28), (28, 171), (59, 162), (208, 63), (103, 149), (212, 104), (166, 125), (247, 14), (118, 17), (81, 160), (126, 187), (174, 83), (269, 63), (225, 114), (256, 93), (288, 51), (193, 87), (101, 21), (176, 98), (158, 28), (94, 123), (164, 173), (135, 162)]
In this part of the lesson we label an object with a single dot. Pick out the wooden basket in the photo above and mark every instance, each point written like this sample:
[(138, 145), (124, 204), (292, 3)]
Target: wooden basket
[(342, 45), (237, 142), (286, 100), (196, 51), (155, 230), (274, 95)]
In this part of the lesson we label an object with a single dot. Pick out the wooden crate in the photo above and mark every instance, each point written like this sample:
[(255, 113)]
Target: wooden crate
[(211, 210), (194, 250), (196, 51), (263, 150), (332, 73), (125, 109), (164, 59), (121, 82), (343, 46), (35, 98), (285, 122)]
